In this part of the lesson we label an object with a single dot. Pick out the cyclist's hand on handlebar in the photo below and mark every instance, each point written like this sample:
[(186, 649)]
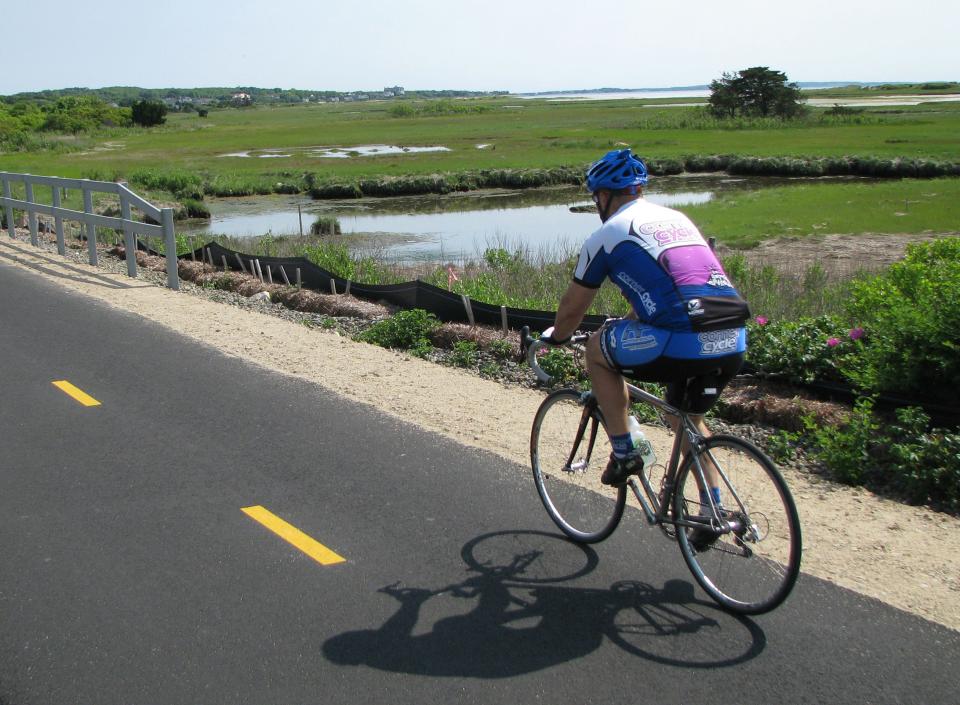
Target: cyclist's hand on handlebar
[(548, 338)]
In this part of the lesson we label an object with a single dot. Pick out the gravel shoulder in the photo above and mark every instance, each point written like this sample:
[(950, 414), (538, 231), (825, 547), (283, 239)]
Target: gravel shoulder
[(906, 556)]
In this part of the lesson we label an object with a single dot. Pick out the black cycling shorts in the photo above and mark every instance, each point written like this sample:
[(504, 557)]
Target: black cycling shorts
[(692, 385)]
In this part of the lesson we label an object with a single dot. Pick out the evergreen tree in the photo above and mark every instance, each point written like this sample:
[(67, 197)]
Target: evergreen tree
[(758, 92)]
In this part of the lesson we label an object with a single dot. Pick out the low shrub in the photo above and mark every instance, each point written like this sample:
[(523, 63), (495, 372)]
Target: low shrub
[(404, 330), (912, 324), (336, 257), (502, 349), (901, 454), (561, 366), (325, 225), (464, 354), (847, 449), (799, 351), (195, 209)]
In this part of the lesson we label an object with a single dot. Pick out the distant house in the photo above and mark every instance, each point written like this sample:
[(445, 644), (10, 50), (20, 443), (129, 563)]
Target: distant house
[(393, 90), (241, 99)]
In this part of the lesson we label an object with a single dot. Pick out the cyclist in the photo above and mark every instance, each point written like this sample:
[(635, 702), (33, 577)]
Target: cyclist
[(686, 326)]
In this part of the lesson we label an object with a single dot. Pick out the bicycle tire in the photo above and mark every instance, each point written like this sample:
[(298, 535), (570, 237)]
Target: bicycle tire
[(753, 568), (569, 449)]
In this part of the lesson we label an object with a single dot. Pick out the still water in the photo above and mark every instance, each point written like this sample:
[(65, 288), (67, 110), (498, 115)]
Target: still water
[(454, 226)]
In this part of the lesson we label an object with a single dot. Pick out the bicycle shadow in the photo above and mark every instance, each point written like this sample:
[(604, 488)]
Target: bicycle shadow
[(522, 621)]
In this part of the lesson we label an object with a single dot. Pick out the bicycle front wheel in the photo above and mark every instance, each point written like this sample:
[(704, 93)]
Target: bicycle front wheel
[(569, 449), (751, 566)]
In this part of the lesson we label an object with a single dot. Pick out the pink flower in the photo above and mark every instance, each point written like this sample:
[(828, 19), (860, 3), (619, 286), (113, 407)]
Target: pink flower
[(856, 333), (833, 342), (761, 320)]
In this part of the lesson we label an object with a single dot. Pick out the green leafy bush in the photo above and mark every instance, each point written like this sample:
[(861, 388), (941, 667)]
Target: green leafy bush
[(560, 365), (335, 257), (464, 353), (846, 449), (325, 225), (148, 113), (901, 454), (912, 320), (800, 351), (925, 464), (195, 209), (502, 349), (404, 330)]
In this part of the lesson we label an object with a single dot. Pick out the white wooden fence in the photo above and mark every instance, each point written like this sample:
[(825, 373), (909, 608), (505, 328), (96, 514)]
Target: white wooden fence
[(90, 220)]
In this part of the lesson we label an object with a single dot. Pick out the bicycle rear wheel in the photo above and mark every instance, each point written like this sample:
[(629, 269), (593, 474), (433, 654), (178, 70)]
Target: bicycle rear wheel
[(569, 449), (751, 568)]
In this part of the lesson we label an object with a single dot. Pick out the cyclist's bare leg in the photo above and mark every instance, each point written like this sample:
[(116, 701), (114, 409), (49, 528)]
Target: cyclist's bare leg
[(709, 469), (609, 387)]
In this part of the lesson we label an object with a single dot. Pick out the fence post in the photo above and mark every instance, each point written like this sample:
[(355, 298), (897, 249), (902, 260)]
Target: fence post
[(91, 228), (11, 228), (129, 239), (170, 240), (31, 215), (58, 221), (468, 307), (503, 319)]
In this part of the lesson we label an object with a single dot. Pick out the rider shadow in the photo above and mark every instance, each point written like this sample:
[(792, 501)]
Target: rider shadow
[(521, 621)]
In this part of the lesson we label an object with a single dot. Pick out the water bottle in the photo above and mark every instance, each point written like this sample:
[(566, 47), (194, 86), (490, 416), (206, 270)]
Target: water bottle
[(641, 443)]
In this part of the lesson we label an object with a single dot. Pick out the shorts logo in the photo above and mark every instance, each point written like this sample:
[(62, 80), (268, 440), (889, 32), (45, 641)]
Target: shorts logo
[(695, 307), (718, 342), (638, 339)]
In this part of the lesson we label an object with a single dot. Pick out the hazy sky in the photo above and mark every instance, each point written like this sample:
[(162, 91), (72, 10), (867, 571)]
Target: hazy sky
[(515, 45)]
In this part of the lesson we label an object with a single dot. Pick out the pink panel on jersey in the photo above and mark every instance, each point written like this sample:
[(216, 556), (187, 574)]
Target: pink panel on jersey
[(690, 264)]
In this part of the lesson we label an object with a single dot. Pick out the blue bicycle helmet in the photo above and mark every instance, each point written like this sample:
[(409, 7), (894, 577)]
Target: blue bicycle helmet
[(616, 170)]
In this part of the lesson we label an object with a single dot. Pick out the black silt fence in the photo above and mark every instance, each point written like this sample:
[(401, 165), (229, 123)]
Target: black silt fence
[(447, 306), (451, 307)]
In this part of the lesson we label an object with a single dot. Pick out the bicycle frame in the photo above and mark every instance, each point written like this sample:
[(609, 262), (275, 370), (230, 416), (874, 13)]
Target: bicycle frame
[(655, 506)]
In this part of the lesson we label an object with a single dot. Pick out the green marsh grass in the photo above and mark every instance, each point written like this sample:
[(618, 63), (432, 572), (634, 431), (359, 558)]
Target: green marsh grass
[(898, 206), (536, 135)]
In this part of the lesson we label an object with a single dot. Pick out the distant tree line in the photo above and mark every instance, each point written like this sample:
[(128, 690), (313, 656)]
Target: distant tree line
[(186, 98)]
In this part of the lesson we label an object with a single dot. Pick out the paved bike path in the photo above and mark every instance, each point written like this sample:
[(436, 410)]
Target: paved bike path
[(129, 572)]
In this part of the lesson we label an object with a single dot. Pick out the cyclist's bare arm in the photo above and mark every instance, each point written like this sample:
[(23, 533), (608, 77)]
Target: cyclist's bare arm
[(573, 305)]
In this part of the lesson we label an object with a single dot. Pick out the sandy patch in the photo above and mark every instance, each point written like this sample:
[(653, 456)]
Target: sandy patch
[(835, 253), (906, 556)]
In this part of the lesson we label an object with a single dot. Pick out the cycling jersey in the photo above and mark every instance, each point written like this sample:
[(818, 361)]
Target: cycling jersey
[(664, 267)]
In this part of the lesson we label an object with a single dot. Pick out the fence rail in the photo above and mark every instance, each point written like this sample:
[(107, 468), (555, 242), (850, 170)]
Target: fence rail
[(90, 220)]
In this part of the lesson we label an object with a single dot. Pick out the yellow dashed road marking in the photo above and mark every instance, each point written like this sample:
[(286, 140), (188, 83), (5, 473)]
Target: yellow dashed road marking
[(78, 394), (291, 534)]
